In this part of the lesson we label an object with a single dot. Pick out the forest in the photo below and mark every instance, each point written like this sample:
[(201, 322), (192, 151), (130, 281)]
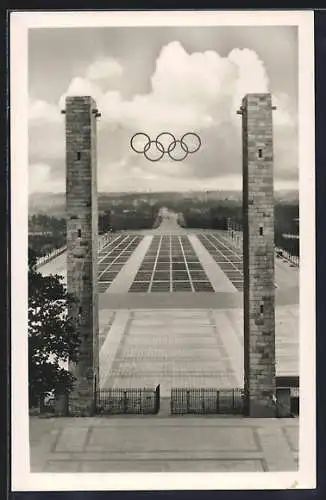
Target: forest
[(286, 220), (48, 232)]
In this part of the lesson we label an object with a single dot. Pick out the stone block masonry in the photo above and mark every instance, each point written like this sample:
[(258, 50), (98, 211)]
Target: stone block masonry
[(258, 256), (82, 246)]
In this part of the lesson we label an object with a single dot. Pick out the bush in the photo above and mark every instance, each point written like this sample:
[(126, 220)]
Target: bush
[(53, 337)]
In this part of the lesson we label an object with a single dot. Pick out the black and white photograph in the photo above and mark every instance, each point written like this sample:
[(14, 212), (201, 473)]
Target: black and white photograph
[(162, 199)]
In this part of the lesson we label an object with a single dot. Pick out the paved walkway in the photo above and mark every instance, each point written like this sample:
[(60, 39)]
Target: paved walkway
[(56, 266), (189, 300), (172, 348), (186, 347), (154, 444)]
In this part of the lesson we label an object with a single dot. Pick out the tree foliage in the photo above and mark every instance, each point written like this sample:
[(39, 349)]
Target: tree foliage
[(53, 338)]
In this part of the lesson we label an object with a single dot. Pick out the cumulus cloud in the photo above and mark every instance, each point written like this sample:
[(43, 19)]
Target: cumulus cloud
[(251, 76), (40, 179), (81, 86), (46, 141), (283, 117), (106, 69), (189, 92), (41, 112), (102, 74)]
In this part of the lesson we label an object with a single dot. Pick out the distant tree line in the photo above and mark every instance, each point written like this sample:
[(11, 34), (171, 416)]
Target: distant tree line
[(216, 216), (193, 213), (127, 216), (200, 205), (45, 244), (46, 233), (46, 223), (287, 223)]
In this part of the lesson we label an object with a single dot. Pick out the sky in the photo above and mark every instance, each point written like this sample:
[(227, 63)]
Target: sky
[(153, 80)]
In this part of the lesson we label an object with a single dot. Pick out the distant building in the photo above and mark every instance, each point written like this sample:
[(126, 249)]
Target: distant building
[(40, 233)]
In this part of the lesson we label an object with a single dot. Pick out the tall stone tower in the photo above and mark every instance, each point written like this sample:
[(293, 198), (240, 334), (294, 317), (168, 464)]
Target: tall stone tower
[(258, 256), (82, 245)]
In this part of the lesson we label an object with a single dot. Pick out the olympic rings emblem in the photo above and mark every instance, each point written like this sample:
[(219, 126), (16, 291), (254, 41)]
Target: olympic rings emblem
[(165, 143)]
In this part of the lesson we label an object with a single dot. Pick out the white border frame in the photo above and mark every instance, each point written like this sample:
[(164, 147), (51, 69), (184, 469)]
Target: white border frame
[(22, 479)]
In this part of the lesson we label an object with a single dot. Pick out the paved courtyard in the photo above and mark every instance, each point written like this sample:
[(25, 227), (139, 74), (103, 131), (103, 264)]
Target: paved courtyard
[(171, 310), (185, 347), (171, 313)]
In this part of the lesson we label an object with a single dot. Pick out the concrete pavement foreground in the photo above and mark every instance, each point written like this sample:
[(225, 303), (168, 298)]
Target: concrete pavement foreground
[(155, 444)]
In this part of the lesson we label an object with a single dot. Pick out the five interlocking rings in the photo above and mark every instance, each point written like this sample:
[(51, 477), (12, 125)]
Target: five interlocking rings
[(176, 149)]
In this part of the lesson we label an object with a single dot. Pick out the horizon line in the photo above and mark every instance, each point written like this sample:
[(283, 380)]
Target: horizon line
[(166, 191)]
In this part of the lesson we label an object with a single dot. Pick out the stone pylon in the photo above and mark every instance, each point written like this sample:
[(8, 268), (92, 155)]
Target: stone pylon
[(258, 255), (82, 246)]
